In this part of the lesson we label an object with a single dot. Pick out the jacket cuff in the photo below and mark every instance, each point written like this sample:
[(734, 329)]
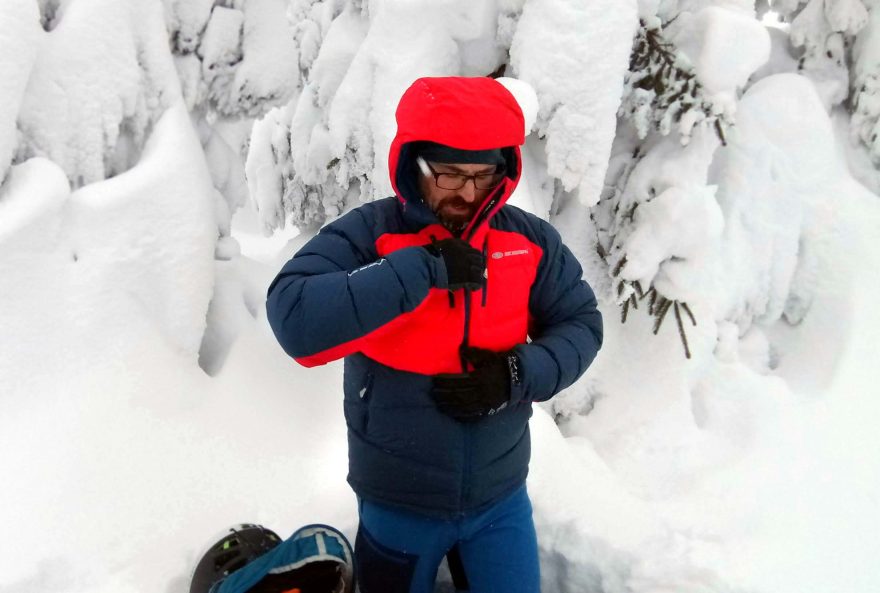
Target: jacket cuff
[(439, 277), (419, 257)]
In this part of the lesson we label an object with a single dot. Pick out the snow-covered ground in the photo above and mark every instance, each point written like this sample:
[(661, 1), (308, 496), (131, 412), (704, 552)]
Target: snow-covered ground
[(145, 405)]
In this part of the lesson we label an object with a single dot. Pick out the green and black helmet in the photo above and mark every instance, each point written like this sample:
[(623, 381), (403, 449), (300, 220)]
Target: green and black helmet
[(239, 545)]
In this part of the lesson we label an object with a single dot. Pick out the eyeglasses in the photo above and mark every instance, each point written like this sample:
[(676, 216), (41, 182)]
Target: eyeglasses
[(459, 180)]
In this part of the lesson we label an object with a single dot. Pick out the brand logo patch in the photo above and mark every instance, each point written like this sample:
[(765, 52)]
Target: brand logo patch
[(375, 263), (500, 254)]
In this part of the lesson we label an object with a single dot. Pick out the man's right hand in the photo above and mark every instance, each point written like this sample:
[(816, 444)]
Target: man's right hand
[(465, 265)]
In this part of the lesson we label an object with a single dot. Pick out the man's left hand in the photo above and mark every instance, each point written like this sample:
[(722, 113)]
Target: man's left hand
[(484, 391)]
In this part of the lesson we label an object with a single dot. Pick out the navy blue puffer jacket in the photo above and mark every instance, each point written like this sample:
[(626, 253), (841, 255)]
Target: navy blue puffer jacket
[(365, 289)]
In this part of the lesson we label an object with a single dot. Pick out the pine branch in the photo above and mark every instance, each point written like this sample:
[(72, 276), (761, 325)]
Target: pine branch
[(689, 314), (616, 272), (661, 313), (638, 286), (670, 87), (684, 342), (720, 132), (658, 307)]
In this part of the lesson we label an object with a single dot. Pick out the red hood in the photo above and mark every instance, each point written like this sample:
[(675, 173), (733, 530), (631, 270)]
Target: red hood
[(468, 113)]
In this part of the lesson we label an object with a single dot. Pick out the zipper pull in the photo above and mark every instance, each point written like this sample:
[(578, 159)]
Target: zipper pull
[(486, 271)]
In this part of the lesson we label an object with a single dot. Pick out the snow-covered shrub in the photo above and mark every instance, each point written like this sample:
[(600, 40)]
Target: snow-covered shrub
[(824, 30), (662, 90), (86, 92), (93, 121), (236, 61), (235, 58), (304, 156), (20, 35), (775, 192), (576, 114), (658, 224), (865, 123), (126, 258), (840, 53)]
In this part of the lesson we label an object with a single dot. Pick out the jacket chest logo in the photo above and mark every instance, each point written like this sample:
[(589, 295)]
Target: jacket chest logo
[(503, 254)]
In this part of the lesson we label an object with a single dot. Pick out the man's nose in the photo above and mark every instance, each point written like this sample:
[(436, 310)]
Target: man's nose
[(469, 191)]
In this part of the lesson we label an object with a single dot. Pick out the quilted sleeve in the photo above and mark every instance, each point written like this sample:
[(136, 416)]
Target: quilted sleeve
[(566, 328), (336, 290)]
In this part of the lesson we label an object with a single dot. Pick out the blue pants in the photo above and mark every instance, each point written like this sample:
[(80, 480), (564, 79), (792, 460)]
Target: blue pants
[(398, 551)]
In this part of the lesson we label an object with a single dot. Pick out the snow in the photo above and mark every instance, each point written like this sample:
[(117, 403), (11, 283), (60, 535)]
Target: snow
[(269, 144), (138, 245), (144, 402), (677, 224), (20, 33), (526, 98), (234, 59), (342, 42), (758, 469), (724, 46), (87, 119), (267, 75), (867, 77), (848, 16), (778, 190), (780, 59), (221, 44), (577, 114), (188, 19)]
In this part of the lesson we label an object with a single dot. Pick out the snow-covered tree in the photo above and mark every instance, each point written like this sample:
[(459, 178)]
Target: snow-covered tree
[(91, 85), (234, 56), (20, 35), (94, 121), (865, 85), (823, 30), (838, 45), (662, 90), (330, 144), (235, 60), (292, 170), (658, 217)]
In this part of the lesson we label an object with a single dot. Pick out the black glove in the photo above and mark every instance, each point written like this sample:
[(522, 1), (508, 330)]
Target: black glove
[(464, 264), (485, 391)]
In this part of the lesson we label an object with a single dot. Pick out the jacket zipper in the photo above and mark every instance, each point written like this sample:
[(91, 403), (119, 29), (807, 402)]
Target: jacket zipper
[(466, 466), (486, 272), (467, 329), (484, 212), (466, 445)]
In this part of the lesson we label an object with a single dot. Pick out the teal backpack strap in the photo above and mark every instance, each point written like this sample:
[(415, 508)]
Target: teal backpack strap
[(315, 559)]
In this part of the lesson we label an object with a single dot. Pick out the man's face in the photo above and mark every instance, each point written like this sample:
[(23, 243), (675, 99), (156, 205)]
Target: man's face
[(455, 207)]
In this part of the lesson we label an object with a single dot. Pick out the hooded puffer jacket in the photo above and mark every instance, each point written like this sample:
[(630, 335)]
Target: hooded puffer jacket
[(364, 288)]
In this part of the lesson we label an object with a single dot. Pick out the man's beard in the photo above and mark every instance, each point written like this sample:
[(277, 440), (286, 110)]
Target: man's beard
[(456, 223)]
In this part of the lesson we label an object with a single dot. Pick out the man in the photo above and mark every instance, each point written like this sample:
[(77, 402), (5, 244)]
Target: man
[(454, 313)]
